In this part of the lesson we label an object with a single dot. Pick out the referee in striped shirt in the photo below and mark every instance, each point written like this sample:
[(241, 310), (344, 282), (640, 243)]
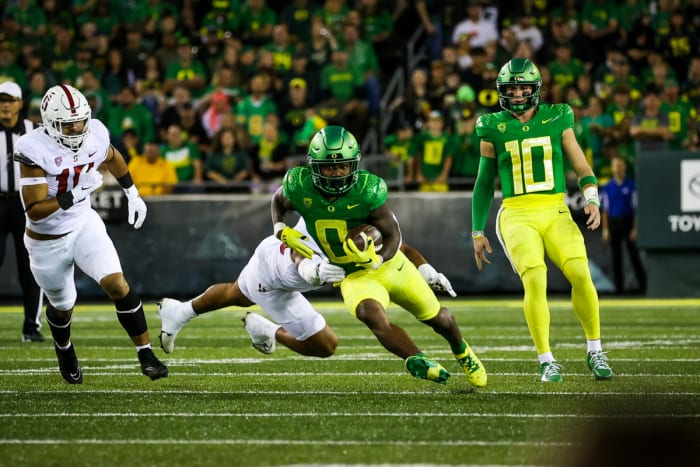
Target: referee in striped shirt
[(11, 211)]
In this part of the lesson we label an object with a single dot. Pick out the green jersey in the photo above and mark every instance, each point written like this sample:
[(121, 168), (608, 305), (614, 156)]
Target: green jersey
[(529, 155), (329, 222)]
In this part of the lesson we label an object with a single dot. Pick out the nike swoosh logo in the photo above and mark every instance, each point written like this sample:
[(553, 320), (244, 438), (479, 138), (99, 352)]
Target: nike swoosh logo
[(366, 262), (84, 188), (562, 212), (352, 206), (93, 153), (545, 121), (400, 267)]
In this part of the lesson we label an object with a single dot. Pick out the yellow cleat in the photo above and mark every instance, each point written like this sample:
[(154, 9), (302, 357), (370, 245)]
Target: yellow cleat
[(476, 373)]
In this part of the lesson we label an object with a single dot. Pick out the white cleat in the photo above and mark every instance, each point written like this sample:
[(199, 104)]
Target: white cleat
[(173, 317), (262, 332)]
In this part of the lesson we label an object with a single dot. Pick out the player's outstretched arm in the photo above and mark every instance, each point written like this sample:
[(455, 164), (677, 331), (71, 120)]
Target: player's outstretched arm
[(481, 202), (279, 207)]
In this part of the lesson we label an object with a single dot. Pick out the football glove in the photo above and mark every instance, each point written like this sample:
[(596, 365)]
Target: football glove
[(137, 207), (293, 239), (89, 182), (318, 273), (436, 280), (368, 259)]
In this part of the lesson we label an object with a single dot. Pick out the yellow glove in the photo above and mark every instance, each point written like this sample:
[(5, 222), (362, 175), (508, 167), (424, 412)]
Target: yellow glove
[(293, 239), (368, 259)]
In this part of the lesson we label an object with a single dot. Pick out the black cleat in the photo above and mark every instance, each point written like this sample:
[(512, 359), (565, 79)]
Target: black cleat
[(33, 336), (68, 364), (151, 366)]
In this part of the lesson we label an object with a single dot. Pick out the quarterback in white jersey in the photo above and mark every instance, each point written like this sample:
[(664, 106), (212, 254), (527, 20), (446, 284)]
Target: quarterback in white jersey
[(275, 278), (58, 170)]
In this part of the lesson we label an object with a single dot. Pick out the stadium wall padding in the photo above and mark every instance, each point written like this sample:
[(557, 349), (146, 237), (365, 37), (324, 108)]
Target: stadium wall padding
[(189, 242)]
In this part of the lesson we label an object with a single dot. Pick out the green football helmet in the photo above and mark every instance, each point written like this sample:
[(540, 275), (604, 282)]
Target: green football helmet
[(334, 145), (518, 71)]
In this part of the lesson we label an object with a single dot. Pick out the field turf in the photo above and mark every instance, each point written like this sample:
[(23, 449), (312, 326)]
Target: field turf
[(224, 403)]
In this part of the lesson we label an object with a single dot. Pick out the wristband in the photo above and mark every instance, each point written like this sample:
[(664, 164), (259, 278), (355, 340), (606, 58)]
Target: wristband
[(65, 200), (591, 195), (278, 227), (477, 233), (588, 180), (125, 181)]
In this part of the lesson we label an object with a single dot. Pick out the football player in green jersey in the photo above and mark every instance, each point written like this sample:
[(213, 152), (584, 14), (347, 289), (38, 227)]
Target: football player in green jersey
[(525, 145), (333, 196)]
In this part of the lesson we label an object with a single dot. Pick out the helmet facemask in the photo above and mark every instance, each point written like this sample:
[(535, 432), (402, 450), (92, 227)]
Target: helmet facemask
[(331, 146), (61, 105), (522, 72)]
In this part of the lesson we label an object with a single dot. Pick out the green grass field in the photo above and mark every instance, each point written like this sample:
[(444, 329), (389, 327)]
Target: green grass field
[(226, 404)]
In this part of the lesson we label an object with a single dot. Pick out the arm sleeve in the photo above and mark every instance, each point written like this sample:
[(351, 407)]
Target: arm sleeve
[(483, 193)]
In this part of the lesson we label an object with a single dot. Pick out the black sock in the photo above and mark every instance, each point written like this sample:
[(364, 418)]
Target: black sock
[(60, 327), (130, 314)]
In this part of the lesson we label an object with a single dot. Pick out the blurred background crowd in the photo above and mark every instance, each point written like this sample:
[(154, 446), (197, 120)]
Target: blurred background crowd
[(224, 95)]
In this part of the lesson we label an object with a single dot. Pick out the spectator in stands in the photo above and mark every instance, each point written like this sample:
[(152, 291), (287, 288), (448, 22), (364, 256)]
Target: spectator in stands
[(333, 13), (116, 76), (618, 206), (128, 113), (214, 111), (320, 49), (97, 97), (565, 68), (430, 16), (680, 43), (398, 147), (257, 22), (252, 111), (281, 49), (180, 95), (295, 111), (599, 23), (297, 16), (9, 69), (434, 154), (191, 124), (25, 19), (526, 30), (377, 28), (152, 174), (186, 70), (679, 112), (36, 64), (149, 85), (597, 126), (228, 163), (342, 88), (481, 32), (184, 157), (650, 126), (269, 157), (363, 60)]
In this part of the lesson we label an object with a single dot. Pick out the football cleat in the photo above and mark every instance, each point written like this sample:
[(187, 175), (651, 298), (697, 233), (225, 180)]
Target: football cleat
[(68, 365), (33, 336), (261, 331), (598, 364), (423, 367), (173, 317), (150, 365), (476, 373), (550, 372)]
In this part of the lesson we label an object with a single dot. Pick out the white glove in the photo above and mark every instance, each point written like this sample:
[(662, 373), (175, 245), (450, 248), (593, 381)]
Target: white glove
[(318, 273), (137, 207), (438, 281), (89, 181)]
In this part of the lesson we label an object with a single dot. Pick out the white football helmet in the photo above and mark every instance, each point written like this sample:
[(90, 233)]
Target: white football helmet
[(64, 104)]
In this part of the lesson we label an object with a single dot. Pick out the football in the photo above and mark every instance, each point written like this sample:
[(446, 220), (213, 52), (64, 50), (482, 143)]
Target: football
[(362, 233)]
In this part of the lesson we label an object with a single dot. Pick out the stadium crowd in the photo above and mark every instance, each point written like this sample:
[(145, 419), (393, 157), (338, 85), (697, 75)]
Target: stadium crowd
[(220, 95)]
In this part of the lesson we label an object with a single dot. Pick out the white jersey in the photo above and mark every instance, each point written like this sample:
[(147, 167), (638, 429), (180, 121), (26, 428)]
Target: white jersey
[(63, 168)]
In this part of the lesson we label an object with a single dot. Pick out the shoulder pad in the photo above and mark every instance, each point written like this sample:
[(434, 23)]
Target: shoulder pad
[(22, 159)]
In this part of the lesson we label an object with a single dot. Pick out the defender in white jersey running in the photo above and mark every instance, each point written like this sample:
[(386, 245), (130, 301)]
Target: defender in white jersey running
[(275, 279), (58, 170)]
